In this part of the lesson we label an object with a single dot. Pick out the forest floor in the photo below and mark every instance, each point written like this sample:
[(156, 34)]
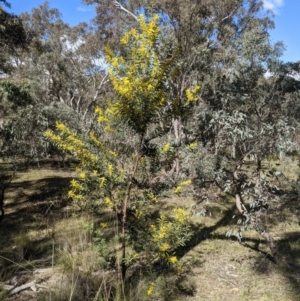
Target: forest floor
[(44, 240)]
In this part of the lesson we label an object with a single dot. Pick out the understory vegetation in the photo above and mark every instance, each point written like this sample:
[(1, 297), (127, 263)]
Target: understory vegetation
[(147, 156), (70, 254)]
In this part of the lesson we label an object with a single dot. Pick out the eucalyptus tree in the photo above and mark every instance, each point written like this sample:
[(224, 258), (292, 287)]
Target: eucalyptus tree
[(12, 36), (25, 112), (61, 65)]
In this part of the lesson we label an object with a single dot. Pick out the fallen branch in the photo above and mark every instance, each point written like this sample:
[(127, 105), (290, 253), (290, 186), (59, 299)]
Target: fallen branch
[(22, 288), (12, 290)]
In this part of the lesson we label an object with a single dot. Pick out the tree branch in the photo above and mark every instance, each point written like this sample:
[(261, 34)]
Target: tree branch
[(118, 5)]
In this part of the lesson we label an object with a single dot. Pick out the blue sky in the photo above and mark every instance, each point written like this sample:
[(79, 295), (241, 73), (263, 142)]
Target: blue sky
[(286, 12), (73, 11), (287, 22)]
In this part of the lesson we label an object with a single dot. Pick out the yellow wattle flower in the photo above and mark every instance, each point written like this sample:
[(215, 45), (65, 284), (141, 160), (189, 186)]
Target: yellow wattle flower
[(150, 289), (138, 214), (60, 126), (166, 148), (172, 259), (164, 247), (102, 182), (193, 145), (185, 183), (152, 228), (103, 225), (110, 169), (179, 269), (191, 94), (181, 215), (108, 202), (178, 189)]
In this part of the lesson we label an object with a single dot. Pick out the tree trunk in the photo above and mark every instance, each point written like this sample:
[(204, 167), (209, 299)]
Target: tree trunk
[(124, 210), (254, 220)]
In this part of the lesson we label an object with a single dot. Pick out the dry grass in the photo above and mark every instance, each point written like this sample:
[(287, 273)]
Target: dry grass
[(228, 270)]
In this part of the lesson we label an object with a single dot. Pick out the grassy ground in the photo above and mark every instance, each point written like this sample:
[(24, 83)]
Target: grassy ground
[(44, 238), (228, 270)]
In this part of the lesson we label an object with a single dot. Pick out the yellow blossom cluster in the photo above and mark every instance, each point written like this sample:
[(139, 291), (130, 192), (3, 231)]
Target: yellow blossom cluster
[(68, 141), (76, 185), (101, 115), (71, 143), (108, 202), (76, 190), (168, 233), (181, 215), (152, 197), (82, 175), (150, 289), (71, 194), (109, 129), (179, 269), (178, 189), (164, 247), (163, 231), (102, 182), (138, 79), (151, 29), (172, 259), (193, 145), (103, 225), (108, 116), (152, 228), (166, 148), (95, 140), (110, 170), (102, 146), (191, 94), (138, 214)]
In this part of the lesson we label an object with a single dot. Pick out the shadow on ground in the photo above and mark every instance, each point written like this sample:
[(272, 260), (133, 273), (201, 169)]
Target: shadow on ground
[(286, 263), (31, 206)]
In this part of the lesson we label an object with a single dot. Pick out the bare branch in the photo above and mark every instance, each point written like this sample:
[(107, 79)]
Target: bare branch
[(98, 90), (227, 17), (16, 289), (118, 5)]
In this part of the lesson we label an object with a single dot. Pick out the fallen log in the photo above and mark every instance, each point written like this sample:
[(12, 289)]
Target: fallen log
[(12, 290)]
